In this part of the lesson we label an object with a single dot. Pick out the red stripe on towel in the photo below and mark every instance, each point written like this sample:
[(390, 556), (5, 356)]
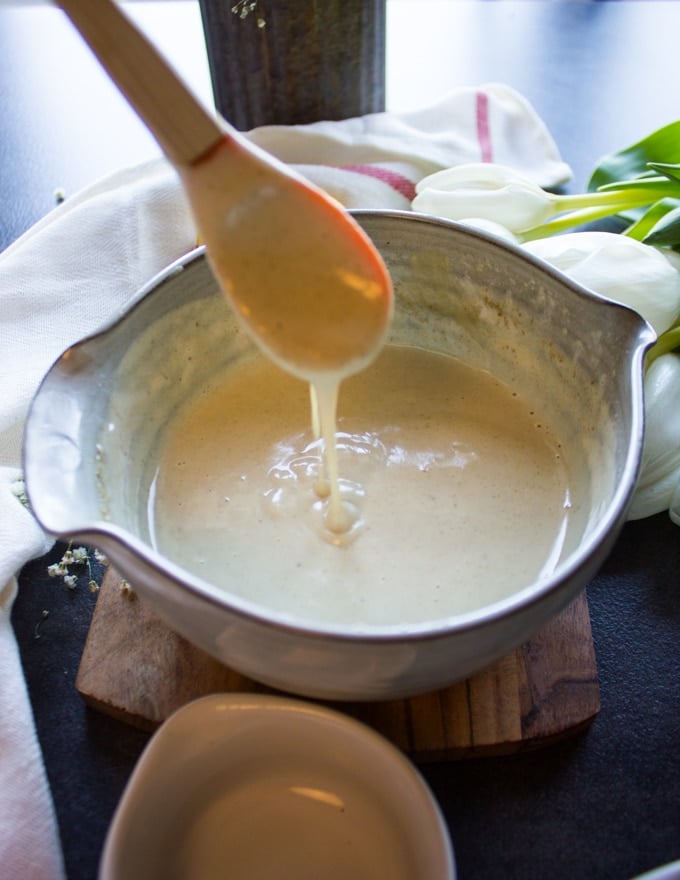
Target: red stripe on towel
[(483, 127), (397, 181)]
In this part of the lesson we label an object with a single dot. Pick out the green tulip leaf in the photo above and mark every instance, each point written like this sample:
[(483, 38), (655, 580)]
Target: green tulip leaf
[(656, 183), (666, 231), (672, 172), (645, 222), (662, 145)]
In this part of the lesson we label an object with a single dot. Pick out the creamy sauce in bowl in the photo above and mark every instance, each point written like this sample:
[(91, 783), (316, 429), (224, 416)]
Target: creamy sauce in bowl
[(459, 491)]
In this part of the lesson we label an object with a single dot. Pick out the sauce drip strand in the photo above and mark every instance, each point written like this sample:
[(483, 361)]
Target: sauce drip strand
[(341, 515), (303, 277)]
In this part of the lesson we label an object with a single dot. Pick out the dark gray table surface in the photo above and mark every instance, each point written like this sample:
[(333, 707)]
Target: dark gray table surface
[(604, 804)]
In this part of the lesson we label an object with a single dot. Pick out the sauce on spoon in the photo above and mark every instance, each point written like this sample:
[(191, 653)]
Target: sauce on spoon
[(304, 278)]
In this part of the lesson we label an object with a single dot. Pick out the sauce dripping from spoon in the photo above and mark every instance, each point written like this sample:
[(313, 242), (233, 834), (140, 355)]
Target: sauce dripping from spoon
[(309, 286)]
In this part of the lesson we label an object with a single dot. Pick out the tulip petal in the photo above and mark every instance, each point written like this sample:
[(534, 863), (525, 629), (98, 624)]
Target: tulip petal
[(490, 227), (658, 486), (619, 268), (674, 509), (484, 190), (476, 175)]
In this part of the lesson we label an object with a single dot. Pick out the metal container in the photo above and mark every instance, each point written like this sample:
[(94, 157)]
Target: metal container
[(295, 61)]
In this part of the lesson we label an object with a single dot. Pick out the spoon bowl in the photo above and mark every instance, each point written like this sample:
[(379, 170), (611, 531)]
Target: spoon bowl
[(301, 274), (304, 279)]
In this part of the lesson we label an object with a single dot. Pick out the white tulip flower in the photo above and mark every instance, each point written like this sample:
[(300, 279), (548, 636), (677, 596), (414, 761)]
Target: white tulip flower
[(486, 191), (503, 195), (484, 225), (658, 487), (618, 268)]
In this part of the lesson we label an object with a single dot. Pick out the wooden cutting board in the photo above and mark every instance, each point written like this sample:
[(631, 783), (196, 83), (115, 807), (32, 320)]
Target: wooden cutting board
[(136, 669)]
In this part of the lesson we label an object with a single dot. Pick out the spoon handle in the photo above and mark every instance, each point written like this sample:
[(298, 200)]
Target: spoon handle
[(183, 127)]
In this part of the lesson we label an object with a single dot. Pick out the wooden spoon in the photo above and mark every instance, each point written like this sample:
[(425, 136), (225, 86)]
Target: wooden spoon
[(307, 282)]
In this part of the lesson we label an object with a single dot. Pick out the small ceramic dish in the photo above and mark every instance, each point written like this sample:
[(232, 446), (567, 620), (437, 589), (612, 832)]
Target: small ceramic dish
[(253, 786)]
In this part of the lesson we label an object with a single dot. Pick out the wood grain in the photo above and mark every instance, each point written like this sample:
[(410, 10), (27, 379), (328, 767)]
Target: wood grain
[(138, 670)]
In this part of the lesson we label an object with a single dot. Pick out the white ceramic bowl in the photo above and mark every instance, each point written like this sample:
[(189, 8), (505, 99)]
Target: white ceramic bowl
[(573, 354), (249, 786)]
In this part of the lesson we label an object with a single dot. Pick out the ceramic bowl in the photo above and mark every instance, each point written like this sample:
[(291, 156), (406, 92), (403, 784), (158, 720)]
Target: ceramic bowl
[(93, 432), (250, 786)]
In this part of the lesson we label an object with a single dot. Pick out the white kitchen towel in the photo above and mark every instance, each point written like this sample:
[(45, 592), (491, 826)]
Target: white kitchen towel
[(28, 834), (83, 262)]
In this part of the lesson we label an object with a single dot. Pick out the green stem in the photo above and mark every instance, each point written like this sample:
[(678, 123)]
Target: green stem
[(581, 208), (627, 197), (569, 221), (665, 344)]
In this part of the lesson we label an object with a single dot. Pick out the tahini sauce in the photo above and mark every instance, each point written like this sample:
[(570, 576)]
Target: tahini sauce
[(459, 491), (301, 274)]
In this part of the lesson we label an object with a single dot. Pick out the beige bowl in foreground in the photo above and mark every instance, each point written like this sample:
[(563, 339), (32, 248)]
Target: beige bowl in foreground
[(247, 786), (576, 356)]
